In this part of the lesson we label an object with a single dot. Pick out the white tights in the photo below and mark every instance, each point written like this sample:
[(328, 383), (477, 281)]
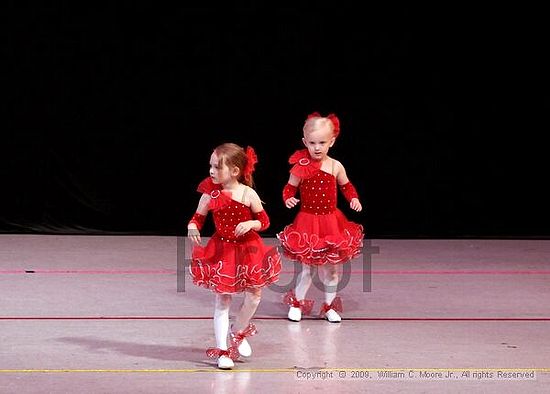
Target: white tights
[(250, 303), (328, 275)]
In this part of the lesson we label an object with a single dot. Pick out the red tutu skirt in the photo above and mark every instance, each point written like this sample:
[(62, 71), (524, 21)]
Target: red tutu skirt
[(321, 239), (232, 267)]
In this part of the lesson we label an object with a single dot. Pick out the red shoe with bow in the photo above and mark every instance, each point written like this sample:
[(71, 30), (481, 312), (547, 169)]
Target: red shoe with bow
[(330, 312), (225, 357), (297, 307), (238, 339)]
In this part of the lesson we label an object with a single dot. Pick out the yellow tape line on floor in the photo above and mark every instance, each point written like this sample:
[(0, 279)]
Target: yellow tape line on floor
[(272, 370)]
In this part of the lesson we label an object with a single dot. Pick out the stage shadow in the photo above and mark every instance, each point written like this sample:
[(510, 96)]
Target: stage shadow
[(150, 351)]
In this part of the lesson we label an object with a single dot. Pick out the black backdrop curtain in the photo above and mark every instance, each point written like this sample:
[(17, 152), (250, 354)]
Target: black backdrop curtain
[(113, 112)]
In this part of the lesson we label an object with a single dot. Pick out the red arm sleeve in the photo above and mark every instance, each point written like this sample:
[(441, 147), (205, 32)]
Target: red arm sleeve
[(263, 218), (349, 192), (198, 219), (289, 191)]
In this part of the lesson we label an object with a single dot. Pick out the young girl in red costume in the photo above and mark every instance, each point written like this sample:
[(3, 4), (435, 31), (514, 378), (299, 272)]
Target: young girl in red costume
[(320, 235), (235, 259)]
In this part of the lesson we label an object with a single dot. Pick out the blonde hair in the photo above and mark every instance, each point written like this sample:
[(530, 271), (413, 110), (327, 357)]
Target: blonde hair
[(315, 122), (233, 155)]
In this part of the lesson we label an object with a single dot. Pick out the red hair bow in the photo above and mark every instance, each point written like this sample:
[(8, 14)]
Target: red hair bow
[(314, 115), (250, 163), (335, 123), (332, 117)]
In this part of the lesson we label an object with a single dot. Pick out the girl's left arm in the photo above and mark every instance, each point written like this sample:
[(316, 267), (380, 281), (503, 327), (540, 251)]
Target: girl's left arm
[(260, 221), (347, 188)]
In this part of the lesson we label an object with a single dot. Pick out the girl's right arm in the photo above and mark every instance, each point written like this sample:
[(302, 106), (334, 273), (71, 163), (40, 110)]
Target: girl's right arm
[(289, 191), (195, 224)]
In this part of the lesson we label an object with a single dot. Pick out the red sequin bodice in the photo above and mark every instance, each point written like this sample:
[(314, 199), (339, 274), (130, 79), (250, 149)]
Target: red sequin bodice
[(227, 218), (318, 193)]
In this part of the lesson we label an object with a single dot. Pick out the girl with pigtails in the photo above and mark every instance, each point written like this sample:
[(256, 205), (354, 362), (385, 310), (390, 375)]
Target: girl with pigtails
[(320, 235), (235, 259)]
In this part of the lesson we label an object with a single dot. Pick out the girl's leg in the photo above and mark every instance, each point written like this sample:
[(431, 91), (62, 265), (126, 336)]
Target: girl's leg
[(329, 277), (303, 283), (302, 286), (221, 328), (221, 319), (239, 333), (251, 301)]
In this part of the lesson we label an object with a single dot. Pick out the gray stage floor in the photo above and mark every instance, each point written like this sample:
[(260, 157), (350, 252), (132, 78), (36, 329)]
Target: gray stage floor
[(114, 314)]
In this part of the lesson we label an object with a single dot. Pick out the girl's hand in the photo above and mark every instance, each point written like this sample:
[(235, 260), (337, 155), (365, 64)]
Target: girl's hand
[(243, 227), (291, 202), (355, 205), (194, 235)]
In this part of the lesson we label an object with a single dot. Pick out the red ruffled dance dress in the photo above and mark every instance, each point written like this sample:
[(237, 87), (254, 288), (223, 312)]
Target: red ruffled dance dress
[(320, 234), (230, 264)]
